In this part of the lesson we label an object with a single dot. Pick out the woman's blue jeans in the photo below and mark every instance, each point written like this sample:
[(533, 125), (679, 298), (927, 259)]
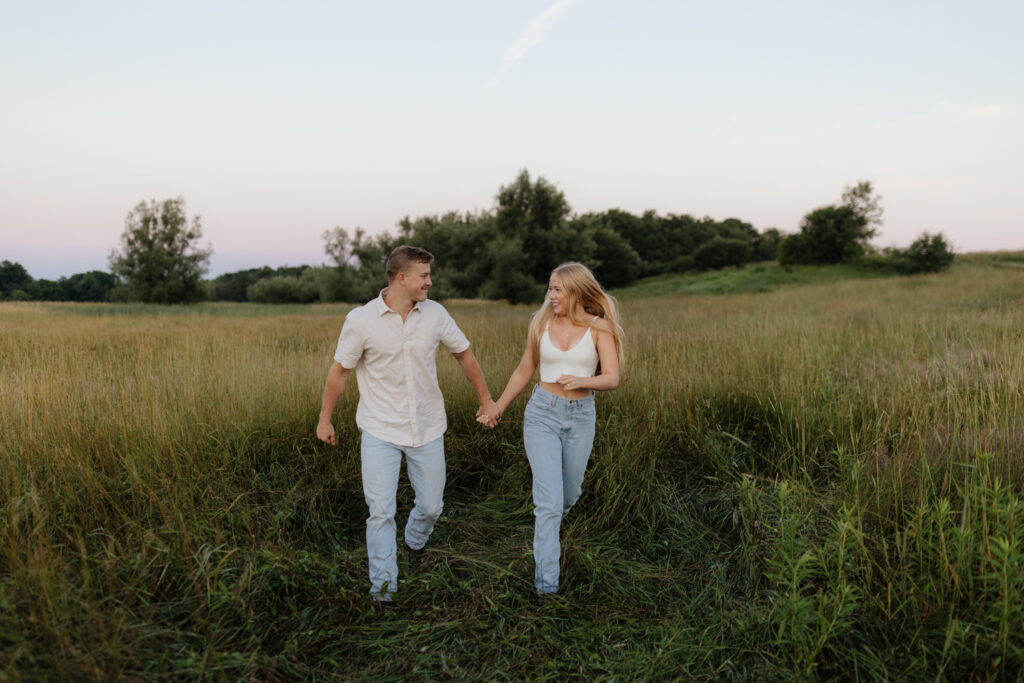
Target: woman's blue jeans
[(558, 434)]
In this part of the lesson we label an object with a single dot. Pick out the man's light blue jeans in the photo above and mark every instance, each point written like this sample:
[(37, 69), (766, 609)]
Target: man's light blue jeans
[(558, 434), (381, 463)]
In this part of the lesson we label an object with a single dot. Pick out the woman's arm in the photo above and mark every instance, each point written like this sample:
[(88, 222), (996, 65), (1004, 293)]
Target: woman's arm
[(521, 376)]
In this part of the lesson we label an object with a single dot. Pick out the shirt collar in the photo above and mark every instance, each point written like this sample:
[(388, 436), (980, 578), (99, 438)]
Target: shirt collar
[(382, 307)]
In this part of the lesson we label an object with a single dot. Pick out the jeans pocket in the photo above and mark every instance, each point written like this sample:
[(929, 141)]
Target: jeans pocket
[(539, 402), (585, 418), (538, 412)]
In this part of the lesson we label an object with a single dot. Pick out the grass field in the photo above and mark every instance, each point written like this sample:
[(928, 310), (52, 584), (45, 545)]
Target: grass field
[(820, 481)]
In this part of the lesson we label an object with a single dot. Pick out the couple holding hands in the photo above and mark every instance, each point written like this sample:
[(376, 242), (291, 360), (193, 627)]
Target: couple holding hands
[(391, 342)]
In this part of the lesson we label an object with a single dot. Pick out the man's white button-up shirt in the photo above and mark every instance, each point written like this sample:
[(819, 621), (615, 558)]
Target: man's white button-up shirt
[(395, 363)]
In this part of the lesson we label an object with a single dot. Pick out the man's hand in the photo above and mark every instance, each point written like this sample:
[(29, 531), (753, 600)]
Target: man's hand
[(325, 432), (489, 414), (337, 377)]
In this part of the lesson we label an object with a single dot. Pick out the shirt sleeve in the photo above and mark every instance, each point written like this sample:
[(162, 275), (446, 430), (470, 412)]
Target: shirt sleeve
[(451, 336), (350, 345)]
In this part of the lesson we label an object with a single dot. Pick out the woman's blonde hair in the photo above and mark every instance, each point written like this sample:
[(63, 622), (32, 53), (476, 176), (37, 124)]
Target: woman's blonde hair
[(585, 299)]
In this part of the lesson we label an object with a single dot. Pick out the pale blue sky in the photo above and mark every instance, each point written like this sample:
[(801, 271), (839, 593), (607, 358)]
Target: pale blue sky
[(277, 121)]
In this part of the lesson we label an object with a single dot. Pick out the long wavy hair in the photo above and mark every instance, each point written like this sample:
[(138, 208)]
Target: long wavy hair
[(585, 299)]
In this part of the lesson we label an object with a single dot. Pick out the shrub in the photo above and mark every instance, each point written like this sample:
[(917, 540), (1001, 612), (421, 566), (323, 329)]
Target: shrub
[(927, 254), (720, 252), (285, 289)]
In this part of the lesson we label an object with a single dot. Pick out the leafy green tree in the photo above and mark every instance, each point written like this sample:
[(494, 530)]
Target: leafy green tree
[(735, 229), (46, 290), (638, 232), (333, 284), (94, 285), (233, 286), (507, 254), (158, 259), (719, 252), (795, 250), (360, 260), (655, 239), (615, 263), (460, 245), (861, 198), (833, 234), (669, 243), (13, 278), (536, 213), (509, 277), (766, 246), (836, 233)]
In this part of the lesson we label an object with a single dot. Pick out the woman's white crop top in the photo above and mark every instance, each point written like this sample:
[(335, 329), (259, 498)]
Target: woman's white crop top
[(580, 360)]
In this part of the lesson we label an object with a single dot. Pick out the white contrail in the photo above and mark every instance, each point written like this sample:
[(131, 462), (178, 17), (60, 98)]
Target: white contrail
[(531, 36)]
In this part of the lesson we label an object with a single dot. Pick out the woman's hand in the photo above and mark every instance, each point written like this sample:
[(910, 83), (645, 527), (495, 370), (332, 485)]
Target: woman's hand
[(571, 382)]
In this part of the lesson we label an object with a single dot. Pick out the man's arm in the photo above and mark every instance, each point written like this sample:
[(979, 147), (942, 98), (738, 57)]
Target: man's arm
[(471, 368), (337, 378)]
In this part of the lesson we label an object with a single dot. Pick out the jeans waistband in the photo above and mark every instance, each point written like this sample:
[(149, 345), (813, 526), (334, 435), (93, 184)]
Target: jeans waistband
[(546, 395)]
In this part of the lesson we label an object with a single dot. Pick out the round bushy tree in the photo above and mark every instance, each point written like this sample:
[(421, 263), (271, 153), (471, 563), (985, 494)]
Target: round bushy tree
[(13, 278), (835, 233), (927, 254), (159, 260)]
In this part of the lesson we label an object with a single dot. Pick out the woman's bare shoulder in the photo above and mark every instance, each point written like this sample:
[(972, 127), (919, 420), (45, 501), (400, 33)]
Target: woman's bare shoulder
[(601, 325)]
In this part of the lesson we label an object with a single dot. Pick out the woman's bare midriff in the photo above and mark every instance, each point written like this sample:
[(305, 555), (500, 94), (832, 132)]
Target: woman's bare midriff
[(558, 390)]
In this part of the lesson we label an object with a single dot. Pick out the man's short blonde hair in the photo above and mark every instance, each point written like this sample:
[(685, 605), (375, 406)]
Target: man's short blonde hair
[(404, 256)]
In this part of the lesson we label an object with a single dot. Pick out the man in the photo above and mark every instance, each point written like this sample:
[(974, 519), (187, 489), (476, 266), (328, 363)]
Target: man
[(391, 342)]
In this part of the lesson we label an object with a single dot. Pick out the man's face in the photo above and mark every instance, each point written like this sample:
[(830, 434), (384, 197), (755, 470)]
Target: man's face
[(416, 281)]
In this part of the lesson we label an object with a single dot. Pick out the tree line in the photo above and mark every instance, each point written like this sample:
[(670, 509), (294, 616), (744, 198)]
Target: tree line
[(17, 285), (508, 252), (503, 253)]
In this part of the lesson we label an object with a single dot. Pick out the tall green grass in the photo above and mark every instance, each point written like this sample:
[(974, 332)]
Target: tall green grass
[(817, 482)]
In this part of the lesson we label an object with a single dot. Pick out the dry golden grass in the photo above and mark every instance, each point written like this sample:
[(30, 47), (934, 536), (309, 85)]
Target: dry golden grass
[(841, 460)]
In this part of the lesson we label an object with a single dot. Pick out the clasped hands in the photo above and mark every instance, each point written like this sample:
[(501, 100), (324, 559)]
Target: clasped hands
[(489, 415)]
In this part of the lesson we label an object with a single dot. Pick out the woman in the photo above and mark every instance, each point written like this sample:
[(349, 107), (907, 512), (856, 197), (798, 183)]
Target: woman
[(573, 334)]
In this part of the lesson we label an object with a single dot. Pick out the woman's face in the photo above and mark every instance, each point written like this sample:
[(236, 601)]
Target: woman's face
[(556, 296)]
